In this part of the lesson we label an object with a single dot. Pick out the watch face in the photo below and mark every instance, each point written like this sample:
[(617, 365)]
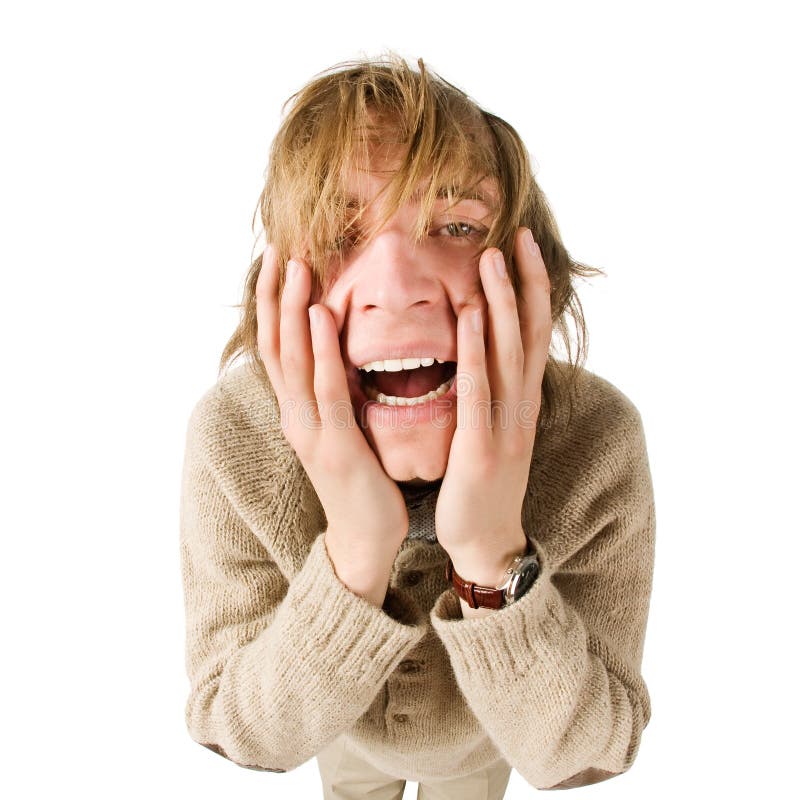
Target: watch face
[(525, 579)]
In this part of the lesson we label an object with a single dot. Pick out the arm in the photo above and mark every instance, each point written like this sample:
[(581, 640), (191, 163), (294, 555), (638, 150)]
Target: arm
[(277, 670), (555, 678)]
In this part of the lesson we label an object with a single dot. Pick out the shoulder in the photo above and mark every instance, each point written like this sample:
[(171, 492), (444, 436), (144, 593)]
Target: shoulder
[(240, 408), (238, 393), (234, 428), (603, 417), (591, 469)]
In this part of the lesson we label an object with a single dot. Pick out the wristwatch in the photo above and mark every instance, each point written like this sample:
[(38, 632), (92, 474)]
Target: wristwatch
[(519, 577)]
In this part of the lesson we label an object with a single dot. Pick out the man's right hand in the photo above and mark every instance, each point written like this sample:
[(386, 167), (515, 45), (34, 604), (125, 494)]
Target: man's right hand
[(366, 513)]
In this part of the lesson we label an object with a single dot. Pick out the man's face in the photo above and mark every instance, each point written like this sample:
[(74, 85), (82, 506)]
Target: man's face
[(391, 300)]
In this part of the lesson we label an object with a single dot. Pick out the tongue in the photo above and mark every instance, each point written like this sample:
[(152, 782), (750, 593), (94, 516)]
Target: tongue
[(410, 382)]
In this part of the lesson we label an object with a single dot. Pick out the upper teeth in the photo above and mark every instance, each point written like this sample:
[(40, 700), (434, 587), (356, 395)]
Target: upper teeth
[(396, 364)]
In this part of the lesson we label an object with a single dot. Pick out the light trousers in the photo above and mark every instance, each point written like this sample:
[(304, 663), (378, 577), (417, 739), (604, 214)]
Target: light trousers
[(347, 776)]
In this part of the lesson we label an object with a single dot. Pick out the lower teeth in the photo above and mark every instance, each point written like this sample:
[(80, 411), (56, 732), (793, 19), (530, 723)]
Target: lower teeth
[(391, 400)]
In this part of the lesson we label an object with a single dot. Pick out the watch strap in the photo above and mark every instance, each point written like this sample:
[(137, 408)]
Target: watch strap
[(473, 595), (476, 596)]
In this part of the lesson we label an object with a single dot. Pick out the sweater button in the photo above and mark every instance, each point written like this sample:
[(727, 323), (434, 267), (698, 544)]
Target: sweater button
[(412, 578), (409, 666), (401, 718)]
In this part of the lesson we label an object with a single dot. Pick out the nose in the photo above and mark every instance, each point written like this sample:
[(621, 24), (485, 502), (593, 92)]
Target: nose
[(394, 276)]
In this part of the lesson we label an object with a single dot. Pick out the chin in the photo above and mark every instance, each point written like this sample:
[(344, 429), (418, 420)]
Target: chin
[(405, 455)]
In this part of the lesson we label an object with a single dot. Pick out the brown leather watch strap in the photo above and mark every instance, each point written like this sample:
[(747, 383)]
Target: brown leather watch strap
[(474, 596)]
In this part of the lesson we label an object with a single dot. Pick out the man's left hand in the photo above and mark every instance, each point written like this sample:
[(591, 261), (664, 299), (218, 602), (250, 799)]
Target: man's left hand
[(499, 394)]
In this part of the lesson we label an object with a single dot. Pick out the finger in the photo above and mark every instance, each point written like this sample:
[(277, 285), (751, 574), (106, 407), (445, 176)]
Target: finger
[(535, 311), (473, 398), (267, 316), (505, 356), (330, 380), (297, 361)]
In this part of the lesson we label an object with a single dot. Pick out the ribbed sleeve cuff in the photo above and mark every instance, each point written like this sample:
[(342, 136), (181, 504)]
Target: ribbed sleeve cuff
[(505, 641), (334, 626), (313, 671)]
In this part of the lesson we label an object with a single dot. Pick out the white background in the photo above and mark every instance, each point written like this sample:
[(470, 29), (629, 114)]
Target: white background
[(134, 141)]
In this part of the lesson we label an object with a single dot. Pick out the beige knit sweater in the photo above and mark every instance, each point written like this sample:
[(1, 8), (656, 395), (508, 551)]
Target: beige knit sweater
[(282, 657)]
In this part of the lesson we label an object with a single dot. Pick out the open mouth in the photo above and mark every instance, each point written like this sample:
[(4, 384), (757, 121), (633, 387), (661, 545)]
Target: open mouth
[(385, 383)]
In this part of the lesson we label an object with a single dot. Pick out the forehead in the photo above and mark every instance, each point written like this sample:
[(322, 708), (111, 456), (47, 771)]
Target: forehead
[(365, 178), (457, 158)]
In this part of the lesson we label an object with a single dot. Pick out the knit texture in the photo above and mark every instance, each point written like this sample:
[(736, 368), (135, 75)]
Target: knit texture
[(421, 507), (282, 657)]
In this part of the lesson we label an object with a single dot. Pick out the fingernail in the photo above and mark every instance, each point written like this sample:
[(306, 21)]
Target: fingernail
[(293, 270), (499, 265), (529, 242), (476, 320), (313, 314)]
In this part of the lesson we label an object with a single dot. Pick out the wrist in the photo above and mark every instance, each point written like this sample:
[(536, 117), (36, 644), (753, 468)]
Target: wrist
[(493, 580), (365, 573), (467, 612), (486, 564)]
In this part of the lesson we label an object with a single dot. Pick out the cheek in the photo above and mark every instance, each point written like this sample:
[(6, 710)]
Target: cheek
[(333, 301), (461, 277), (461, 296), (334, 291)]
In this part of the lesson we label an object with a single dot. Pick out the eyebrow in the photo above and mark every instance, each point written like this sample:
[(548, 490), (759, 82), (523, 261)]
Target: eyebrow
[(459, 195)]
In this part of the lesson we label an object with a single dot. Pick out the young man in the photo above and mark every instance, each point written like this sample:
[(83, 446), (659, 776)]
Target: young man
[(414, 544)]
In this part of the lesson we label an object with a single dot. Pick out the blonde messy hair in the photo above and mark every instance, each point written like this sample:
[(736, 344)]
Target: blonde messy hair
[(450, 146)]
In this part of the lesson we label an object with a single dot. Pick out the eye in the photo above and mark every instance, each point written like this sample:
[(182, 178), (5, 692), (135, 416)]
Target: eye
[(348, 238), (460, 228)]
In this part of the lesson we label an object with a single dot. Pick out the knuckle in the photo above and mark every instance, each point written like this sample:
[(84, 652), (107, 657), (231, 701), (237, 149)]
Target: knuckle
[(332, 460), (308, 415), (514, 358), (298, 425), (543, 331), (526, 413), (542, 281), (322, 387), (463, 380), (265, 285), (264, 343), (290, 361), (340, 414), (508, 298)]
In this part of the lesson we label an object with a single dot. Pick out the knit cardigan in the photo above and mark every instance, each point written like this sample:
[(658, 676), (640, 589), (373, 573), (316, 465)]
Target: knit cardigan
[(282, 657)]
